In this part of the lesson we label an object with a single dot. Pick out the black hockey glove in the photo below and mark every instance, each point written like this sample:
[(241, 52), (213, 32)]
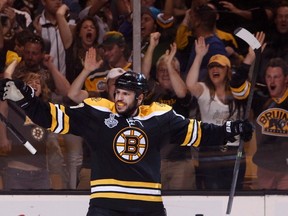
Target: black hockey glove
[(239, 127), (2, 87), (19, 92)]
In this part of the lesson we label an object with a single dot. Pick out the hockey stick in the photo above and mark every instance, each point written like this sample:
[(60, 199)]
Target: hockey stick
[(256, 46), (18, 135)]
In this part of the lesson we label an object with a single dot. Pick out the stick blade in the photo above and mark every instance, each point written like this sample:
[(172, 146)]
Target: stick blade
[(248, 37)]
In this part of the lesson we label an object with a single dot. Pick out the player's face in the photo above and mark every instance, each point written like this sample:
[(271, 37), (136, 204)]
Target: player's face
[(125, 102)]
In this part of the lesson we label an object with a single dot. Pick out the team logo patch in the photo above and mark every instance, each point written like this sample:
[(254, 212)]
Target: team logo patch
[(111, 121), (101, 85), (130, 145), (274, 122), (37, 133)]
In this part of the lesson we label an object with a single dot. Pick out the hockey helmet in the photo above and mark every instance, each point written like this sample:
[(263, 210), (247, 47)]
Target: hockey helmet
[(132, 81)]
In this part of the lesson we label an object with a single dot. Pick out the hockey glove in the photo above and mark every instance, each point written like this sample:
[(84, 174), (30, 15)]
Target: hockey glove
[(19, 92), (238, 127), (2, 87)]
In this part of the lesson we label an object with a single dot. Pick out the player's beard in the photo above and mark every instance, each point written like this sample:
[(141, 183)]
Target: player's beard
[(130, 110)]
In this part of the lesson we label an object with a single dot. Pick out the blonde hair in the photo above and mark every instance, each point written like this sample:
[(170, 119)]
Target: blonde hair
[(175, 62), (45, 91)]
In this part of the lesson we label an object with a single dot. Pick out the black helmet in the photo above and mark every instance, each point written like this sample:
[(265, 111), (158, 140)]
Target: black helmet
[(132, 81)]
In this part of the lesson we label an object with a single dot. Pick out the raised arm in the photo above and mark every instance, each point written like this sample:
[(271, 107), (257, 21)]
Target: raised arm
[(5, 143), (177, 82), (233, 9), (75, 92), (183, 32), (64, 29), (96, 6), (1, 37), (246, 14), (61, 83), (192, 77), (239, 84), (147, 59), (12, 60), (250, 57), (168, 10)]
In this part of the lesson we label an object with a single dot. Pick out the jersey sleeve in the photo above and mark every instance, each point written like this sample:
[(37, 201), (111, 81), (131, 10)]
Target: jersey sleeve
[(190, 132), (212, 135), (239, 84), (57, 118), (184, 131)]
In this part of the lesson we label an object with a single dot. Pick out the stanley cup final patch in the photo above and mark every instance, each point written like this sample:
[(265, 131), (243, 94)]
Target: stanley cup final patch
[(111, 121)]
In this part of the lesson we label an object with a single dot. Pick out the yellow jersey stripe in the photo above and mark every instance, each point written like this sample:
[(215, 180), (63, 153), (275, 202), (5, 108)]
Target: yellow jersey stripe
[(198, 134), (194, 132), (189, 134), (53, 112), (241, 92), (127, 197)]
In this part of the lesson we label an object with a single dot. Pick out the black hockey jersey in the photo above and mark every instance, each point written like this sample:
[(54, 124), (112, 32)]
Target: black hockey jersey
[(272, 133), (271, 121), (125, 151)]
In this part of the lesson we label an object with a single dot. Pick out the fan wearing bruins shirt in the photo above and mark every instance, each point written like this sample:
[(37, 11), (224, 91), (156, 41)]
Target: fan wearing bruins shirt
[(271, 120), (125, 139)]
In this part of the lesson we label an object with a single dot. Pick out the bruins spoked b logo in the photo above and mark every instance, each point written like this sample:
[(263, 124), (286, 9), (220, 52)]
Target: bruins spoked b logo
[(130, 145)]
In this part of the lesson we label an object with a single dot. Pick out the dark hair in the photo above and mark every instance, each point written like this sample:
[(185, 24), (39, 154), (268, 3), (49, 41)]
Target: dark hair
[(206, 15), (80, 23), (28, 76), (233, 104), (23, 36), (77, 40), (278, 62), (37, 39)]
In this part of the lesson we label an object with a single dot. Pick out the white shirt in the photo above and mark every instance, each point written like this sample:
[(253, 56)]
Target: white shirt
[(57, 50), (214, 111)]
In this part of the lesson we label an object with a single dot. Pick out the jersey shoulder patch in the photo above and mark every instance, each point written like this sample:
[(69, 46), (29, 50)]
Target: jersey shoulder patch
[(100, 104), (154, 109)]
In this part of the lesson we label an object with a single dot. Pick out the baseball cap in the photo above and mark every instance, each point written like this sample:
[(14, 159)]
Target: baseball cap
[(115, 72), (113, 37), (220, 59), (152, 11)]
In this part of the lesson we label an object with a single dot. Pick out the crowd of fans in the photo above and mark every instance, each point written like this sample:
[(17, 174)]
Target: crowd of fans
[(193, 63)]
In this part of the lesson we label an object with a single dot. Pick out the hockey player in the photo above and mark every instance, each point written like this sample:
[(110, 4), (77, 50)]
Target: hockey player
[(125, 139)]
